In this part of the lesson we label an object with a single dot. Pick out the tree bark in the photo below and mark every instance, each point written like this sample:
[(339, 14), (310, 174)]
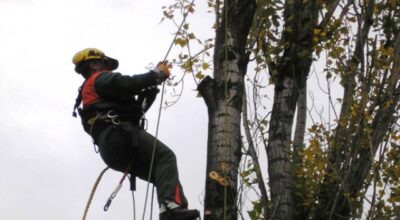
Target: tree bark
[(279, 153), (223, 97), (292, 70)]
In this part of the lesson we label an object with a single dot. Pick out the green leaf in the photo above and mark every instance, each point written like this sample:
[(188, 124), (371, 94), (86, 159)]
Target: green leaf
[(186, 26), (191, 36)]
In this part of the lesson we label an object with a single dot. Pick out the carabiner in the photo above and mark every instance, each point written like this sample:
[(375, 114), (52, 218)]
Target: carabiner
[(112, 196)]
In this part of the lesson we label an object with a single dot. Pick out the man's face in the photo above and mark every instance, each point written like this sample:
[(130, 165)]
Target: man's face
[(96, 65)]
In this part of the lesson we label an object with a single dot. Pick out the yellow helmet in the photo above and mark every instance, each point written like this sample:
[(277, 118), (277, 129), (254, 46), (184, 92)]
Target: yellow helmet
[(93, 54), (87, 54)]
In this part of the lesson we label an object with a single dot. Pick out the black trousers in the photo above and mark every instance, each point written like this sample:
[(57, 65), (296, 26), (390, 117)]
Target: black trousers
[(121, 144)]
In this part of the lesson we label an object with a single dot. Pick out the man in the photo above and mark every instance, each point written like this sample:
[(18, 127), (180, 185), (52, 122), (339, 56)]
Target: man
[(112, 107)]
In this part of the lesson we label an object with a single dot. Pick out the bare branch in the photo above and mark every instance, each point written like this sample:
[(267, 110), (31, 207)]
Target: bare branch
[(254, 157)]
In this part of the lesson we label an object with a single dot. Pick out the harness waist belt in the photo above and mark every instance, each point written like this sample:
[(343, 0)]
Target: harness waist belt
[(110, 116)]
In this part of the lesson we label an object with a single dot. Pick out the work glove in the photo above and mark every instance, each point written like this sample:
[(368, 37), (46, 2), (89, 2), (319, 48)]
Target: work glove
[(162, 71)]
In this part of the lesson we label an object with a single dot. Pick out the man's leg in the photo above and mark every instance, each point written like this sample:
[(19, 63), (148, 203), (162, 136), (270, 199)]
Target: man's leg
[(119, 146), (165, 171), (173, 203), (115, 146)]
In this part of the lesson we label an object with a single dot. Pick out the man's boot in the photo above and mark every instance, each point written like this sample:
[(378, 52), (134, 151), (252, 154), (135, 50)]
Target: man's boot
[(180, 214)]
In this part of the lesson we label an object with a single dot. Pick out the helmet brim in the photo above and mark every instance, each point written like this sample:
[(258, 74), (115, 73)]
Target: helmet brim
[(110, 63)]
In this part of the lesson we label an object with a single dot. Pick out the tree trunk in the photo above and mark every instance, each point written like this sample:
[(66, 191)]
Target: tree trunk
[(223, 97), (292, 70), (279, 153)]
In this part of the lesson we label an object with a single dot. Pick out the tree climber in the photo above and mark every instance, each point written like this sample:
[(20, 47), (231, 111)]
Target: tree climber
[(112, 107)]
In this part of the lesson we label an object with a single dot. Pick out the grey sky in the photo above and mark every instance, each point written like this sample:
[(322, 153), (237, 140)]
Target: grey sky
[(47, 162)]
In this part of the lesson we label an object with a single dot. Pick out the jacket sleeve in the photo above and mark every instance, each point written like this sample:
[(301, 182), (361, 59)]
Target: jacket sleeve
[(116, 84)]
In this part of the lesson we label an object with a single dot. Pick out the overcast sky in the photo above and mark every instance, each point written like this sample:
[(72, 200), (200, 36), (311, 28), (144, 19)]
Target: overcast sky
[(47, 163)]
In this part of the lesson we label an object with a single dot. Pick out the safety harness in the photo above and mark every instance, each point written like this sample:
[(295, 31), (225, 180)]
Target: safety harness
[(94, 108)]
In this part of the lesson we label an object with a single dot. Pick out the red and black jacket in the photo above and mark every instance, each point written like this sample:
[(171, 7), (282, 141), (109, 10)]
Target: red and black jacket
[(104, 91)]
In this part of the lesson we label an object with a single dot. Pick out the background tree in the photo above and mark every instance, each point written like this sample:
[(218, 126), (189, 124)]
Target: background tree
[(348, 167)]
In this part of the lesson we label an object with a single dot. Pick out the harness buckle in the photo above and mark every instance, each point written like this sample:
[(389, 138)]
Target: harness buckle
[(111, 114), (114, 117)]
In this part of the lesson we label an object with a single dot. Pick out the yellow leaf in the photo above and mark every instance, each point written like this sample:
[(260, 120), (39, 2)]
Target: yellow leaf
[(342, 122), (289, 29), (317, 31), (200, 75), (205, 66), (191, 9), (354, 113), (352, 19), (180, 41), (388, 103), (187, 66), (390, 51)]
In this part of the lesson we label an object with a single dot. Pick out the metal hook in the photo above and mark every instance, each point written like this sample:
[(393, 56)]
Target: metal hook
[(112, 196)]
